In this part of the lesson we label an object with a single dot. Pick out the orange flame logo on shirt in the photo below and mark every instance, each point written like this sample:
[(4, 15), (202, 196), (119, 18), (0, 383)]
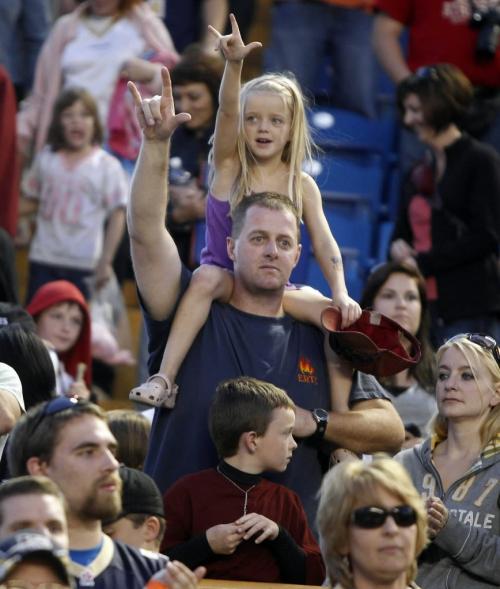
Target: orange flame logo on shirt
[(307, 372), (305, 366)]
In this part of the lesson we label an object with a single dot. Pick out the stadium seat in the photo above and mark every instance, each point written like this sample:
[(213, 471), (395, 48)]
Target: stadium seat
[(339, 129), (358, 174)]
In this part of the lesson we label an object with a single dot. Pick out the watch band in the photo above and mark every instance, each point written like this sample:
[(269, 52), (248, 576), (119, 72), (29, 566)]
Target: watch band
[(320, 416)]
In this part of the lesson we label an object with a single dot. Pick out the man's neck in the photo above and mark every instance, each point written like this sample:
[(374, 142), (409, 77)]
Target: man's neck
[(83, 535), (265, 304)]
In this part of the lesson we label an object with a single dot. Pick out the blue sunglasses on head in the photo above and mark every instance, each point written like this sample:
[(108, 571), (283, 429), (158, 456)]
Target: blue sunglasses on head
[(55, 406)]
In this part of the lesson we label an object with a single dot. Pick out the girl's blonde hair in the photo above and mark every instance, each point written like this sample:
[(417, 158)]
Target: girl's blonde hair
[(296, 152), (350, 485), (475, 356)]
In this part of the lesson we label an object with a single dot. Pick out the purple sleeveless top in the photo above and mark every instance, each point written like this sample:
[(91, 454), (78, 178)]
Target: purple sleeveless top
[(218, 228)]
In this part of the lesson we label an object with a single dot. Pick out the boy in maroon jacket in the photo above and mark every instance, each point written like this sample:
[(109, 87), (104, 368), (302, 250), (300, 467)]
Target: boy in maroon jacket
[(231, 520)]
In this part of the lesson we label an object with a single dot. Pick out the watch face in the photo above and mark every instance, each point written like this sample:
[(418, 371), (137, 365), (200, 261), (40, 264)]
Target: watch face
[(321, 414)]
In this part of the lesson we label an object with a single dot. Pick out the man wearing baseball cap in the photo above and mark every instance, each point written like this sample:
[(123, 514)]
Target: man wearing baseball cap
[(35, 559), (141, 522)]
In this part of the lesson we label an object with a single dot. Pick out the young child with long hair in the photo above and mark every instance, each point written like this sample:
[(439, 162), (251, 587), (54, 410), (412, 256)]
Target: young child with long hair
[(261, 141), (75, 188)]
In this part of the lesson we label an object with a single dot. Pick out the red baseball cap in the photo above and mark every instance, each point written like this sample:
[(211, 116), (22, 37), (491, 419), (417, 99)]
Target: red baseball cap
[(374, 344)]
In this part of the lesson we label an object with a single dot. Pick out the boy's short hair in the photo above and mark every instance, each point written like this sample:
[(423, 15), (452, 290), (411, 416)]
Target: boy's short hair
[(242, 405)]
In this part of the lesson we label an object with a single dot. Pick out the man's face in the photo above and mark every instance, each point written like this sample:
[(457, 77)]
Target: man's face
[(44, 513), (84, 466), (266, 250)]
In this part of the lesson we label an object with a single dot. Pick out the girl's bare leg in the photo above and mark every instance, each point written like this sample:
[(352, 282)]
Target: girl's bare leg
[(305, 304), (208, 284)]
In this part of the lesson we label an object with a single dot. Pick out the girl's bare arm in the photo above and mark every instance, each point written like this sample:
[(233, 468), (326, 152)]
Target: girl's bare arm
[(226, 162), (327, 251)]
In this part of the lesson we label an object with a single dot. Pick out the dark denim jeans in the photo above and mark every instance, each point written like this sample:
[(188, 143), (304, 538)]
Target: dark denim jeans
[(301, 34), (40, 274)]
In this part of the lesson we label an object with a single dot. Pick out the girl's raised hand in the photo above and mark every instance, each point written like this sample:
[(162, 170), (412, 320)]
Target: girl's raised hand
[(156, 115), (232, 46)]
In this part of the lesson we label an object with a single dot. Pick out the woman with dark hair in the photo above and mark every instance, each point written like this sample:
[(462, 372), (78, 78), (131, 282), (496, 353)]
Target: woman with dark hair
[(398, 291), (26, 353), (195, 86), (449, 221)]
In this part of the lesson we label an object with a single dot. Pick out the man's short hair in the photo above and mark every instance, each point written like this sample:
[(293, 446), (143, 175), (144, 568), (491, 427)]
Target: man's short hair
[(36, 434), (242, 405), (267, 200), (29, 485)]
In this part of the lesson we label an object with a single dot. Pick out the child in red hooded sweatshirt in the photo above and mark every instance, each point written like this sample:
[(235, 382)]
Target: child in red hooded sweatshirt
[(63, 321)]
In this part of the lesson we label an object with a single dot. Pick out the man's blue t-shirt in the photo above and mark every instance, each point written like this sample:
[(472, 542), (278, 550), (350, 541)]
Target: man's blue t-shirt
[(232, 343)]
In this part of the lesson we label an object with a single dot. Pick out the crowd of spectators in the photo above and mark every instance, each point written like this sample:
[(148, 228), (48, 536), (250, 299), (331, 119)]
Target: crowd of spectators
[(281, 448)]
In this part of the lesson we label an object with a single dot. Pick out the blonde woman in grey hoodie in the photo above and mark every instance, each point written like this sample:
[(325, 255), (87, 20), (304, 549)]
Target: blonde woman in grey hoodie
[(457, 470)]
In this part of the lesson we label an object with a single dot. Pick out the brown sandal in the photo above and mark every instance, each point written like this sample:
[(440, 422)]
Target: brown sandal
[(153, 393)]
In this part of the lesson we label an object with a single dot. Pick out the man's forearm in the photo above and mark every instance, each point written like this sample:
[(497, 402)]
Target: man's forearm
[(387, 47), (149, 192), (214, 12), (370, 426)]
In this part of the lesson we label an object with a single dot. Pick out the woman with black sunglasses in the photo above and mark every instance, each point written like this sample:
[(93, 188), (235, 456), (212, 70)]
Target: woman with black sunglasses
[(448, 223), (372, 525), (457, 470)]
